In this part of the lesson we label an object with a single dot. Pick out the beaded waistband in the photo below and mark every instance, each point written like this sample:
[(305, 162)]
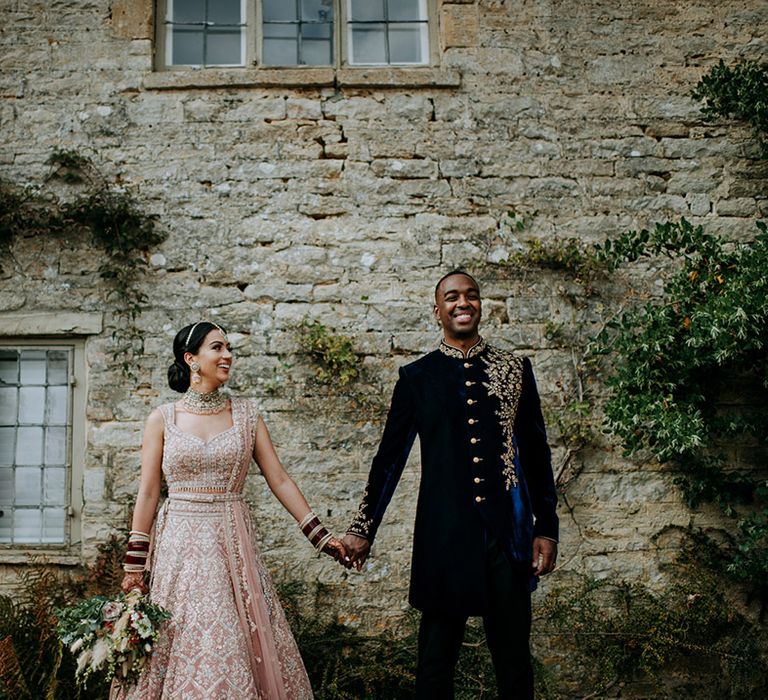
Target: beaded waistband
[(203, 497)]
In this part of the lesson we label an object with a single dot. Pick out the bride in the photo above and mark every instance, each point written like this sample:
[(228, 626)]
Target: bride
[(228, 637)]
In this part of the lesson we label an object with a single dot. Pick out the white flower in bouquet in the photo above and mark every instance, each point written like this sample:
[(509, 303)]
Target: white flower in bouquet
[(111, 637), (112, 610)]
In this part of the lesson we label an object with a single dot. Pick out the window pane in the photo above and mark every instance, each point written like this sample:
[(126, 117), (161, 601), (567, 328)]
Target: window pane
[(369, 44), (405, 43), (188, 11), (316, 31), (224, 11), (33, 366), (32, 404), (5, 524), (58, 405), (54, 524), (29, 446), (316, 53), (317, 10), (187, 46), (223, 47), (56, 446), (279, 10), (54, 487), (280, 52), (6, 487), (7, 449), (366, 10), (27, 490), (58, 367), (26, 525), (8, 405), (281, 45), (405, 10), (9, 367), (316, 46)]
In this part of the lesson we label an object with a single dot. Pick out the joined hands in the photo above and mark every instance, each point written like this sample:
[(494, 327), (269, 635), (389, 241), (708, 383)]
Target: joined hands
[(357, 549)]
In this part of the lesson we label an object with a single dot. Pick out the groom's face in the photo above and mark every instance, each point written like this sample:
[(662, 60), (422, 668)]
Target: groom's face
[(458, 307)]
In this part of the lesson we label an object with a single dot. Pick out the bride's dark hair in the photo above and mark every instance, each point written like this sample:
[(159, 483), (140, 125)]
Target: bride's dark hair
[(188, 339)]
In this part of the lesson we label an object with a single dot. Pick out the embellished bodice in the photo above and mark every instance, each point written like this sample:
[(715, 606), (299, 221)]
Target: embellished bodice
[(220, 464)]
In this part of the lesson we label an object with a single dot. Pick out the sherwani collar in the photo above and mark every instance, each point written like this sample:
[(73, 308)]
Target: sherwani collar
[(454, 352)]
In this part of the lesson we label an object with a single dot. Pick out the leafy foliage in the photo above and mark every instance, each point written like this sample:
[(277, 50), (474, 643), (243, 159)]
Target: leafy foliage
[(618, 631), (568, 255), (675, 359), (115, 222), (739, 92), (334, 354), (33, 664)]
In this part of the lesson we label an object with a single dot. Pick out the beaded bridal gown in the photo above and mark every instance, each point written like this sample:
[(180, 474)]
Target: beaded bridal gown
[(228, 637)]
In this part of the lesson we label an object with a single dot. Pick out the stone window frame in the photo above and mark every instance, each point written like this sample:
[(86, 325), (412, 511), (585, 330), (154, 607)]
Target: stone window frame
[(455, 25), (44, 331), (253, 38)]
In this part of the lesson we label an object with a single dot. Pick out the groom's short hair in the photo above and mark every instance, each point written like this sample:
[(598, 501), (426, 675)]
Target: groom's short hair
[(451, 274)]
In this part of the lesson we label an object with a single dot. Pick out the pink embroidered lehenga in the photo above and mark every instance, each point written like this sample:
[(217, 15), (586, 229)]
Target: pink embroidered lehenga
[(228, 637)]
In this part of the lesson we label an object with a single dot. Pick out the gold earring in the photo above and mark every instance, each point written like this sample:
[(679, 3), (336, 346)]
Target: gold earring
[(195, 373)]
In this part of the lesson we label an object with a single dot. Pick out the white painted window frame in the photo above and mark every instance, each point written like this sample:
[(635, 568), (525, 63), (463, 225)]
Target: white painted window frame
[(252, 38), (76, 447)]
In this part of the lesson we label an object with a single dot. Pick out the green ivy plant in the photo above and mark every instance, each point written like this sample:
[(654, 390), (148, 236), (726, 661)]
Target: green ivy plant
[(116, 223), (334, 354), (616, 631), (675, 358), (738, 92)]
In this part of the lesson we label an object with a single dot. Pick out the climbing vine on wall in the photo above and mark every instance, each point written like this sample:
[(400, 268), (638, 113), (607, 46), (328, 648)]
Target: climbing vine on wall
[(115, 221), (679, 364), (738, 92)]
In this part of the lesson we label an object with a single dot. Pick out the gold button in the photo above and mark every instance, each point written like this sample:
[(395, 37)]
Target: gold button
[(471, 421), (477, 460), (478, 499), (470, 401), (467, 365), (474, 441), (477, 479), (468, 383)]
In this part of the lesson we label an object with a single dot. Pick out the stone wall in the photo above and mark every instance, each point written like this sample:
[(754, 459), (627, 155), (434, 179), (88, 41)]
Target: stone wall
[(342, 197)]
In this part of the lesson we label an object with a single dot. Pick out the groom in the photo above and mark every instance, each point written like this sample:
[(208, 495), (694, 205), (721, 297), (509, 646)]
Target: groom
[(486, 526)]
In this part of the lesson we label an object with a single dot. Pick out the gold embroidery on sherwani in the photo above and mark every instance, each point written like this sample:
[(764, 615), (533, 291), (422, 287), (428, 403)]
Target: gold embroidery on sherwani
[(505, 382), (451, 351), (361, 525)]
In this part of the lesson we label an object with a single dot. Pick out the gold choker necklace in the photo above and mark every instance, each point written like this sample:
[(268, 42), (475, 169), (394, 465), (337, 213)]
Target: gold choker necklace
[(204, 404)]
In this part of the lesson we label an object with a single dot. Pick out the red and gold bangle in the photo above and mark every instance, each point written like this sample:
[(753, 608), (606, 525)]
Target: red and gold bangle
[(315, 531), (137, 552)]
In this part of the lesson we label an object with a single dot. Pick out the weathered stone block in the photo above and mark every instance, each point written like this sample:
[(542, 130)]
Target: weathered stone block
[(405, 169), (460, 25), (743, 206), (132, 19)]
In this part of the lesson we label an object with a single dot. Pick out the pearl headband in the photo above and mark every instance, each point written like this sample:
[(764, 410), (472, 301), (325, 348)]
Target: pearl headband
[(192, 330)]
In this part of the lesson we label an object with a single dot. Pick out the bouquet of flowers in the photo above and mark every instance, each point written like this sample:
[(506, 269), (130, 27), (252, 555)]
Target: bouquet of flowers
[(114, 637)]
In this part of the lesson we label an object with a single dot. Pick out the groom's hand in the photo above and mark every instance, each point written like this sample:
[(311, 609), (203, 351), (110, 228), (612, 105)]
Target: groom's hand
[(357, 549), (544, 555)]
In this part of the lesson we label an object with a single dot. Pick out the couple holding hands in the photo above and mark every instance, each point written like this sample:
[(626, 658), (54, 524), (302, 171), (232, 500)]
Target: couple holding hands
[(486, 525)]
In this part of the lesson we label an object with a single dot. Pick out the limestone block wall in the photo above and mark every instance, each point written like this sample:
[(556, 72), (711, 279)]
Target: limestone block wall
[(342, 196)]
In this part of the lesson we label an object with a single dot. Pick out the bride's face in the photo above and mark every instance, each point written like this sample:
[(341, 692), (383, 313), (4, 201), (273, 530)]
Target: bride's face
[(215, 358)]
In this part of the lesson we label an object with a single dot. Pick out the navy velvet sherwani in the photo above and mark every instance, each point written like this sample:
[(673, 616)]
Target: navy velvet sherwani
[(485, 470)]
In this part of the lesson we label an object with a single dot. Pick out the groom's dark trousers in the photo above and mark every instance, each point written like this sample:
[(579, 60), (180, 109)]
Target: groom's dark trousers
[(507, 628)]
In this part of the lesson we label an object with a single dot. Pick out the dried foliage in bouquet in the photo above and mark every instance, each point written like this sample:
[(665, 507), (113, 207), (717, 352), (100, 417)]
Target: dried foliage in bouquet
[(111, 637)]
